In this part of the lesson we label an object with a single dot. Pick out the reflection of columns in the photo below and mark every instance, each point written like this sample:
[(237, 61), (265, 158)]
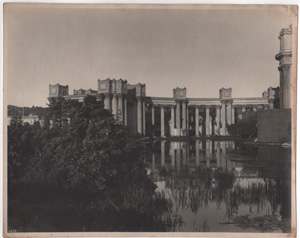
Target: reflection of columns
[(229, 113), (184, 117), (223, 147), (218, 156), (233, 115), (207, 153), (153, 163), (178, 118), (197, 153), (172, 122), (197, 121), (207, 121), (107, 104), (162, 153), (125, 111), (139, 115), (144, 118), (183, 153), (223, 118), (162, 121), (178, 155), (172, 153), (120, 108)]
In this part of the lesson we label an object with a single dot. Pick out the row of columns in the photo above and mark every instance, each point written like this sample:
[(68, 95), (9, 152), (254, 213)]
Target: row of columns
[(117, 104), (141, 116), (225, 115)]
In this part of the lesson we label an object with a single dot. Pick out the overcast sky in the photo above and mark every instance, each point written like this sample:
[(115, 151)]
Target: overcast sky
[(202, 50)]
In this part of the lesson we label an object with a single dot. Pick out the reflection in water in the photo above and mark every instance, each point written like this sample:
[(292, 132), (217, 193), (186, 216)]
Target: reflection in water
[(216, 185)]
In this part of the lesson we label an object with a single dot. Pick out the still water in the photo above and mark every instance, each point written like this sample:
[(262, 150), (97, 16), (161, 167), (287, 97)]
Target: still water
[(223, 186)]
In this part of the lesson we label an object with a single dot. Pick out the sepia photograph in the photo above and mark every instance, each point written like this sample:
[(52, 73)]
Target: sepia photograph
[(149, 120)]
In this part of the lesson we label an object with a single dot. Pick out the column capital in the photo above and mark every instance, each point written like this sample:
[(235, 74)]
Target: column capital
[(107, 94), (207, 106)]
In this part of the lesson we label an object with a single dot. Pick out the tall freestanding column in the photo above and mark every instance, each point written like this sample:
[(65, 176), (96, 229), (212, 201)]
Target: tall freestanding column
[(139, 116), (197, 121), (207, 121), (184, 117), (162, 121), (107, 104), (125, 111), (285, 62), (178, 118), (144, 117), (223, 118)]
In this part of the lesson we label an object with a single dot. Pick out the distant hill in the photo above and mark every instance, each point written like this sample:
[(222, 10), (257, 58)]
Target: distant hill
[(14, 110)]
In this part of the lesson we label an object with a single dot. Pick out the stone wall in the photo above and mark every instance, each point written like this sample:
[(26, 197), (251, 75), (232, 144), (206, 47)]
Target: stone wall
[(274, 125)]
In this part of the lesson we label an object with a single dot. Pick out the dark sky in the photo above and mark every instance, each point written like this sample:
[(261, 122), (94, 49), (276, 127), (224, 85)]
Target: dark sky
[(200, 49)]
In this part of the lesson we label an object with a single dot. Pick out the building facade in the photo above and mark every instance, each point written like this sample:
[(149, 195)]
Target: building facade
[(169, 116)]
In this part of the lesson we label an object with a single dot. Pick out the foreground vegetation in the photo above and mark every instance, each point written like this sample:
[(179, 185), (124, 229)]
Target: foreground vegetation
[(81, 173)]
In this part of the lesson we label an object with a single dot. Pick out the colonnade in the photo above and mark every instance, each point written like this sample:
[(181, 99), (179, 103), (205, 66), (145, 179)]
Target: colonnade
[(216, 117), (117, 104)]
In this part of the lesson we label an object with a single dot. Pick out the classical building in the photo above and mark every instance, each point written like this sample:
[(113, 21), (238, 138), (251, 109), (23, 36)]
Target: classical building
[(177, 115)]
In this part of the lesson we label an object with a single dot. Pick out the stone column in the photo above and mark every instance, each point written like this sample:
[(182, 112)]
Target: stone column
[(223, 118), (139, 116), (107, 104), (271, 103), (243, 108), (187, 121), (184, 117), (254, 108), (218, 120), (120, 108), (229, 113), (178, 118), (197, 153), (153, 119), (197, 121), (162, 121), (172, 154), (144, 117), (207, 121), (115, 106), (233, 115), (172, 121), (125, 111)]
